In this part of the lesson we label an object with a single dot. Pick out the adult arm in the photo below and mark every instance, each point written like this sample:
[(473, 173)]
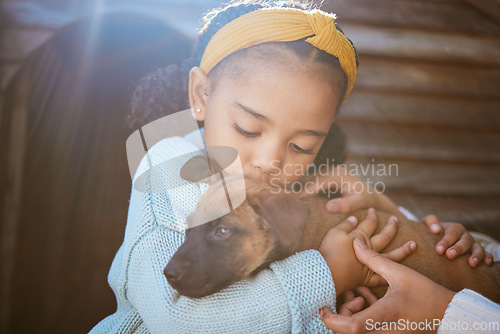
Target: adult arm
[(470, 312), (411, 299)]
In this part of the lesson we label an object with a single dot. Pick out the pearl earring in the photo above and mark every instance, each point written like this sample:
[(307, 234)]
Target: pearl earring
[(198, 110)]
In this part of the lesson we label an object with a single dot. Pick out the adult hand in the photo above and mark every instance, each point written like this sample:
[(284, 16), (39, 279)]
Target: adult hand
[(410, 297), (457, 241), (336, 248)]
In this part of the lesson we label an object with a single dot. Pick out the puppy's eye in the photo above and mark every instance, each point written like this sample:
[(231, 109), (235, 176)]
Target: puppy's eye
[(222, 232)]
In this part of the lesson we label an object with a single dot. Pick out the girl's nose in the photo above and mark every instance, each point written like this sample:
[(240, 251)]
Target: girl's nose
[(267, 160)]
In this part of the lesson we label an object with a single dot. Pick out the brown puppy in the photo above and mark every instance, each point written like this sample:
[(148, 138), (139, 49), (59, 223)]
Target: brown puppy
[(273, 224)]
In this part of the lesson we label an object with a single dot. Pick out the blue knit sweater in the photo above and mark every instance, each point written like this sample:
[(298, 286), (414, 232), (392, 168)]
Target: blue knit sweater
[(285, 298)]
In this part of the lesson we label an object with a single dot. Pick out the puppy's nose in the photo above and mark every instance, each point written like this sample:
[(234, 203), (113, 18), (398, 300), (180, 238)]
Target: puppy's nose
[(173, 273)]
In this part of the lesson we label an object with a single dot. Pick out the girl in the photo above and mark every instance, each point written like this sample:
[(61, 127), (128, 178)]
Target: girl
[(266, 79)]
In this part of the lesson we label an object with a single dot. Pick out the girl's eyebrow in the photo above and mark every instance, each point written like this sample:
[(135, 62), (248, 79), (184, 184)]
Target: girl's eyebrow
[(313, 133), (251, 112)]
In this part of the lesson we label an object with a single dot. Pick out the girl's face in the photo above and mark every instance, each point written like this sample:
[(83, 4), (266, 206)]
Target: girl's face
[(275, 116)]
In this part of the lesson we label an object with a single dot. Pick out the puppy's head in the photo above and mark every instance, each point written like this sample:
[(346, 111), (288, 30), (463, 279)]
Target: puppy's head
[(266, 227)]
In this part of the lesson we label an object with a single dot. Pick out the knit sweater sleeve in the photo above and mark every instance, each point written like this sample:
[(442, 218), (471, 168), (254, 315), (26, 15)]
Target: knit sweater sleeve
[(285, 298), (470, 312)]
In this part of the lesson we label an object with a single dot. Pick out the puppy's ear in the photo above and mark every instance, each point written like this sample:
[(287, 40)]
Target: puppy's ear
[(199, 169), (285, 213)]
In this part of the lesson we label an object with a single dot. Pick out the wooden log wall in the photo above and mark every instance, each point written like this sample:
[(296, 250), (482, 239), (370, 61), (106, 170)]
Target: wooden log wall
[(64, 178), (428, 100)]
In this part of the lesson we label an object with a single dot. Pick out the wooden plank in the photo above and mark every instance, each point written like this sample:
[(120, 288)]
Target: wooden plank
[(451, 16), (477, 214), (11, 190), (424, 45), (407, 142), (428, 178), (369, 107), (490, 8), (396, 75)]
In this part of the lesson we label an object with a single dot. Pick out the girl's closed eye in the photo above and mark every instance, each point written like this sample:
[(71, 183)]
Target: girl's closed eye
[(244, 132), (299, 149)]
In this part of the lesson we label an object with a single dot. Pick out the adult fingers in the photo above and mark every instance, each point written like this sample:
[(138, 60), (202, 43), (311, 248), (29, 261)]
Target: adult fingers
[(380, 240), (397, 255), (375, 261), (359, 322), (402, 252), (375, 280)]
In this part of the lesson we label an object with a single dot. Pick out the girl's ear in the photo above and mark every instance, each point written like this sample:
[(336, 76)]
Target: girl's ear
[(198, 87)]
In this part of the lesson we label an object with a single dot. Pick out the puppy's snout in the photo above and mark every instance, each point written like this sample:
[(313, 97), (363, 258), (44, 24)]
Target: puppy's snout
[(173, 273), (177, 269)]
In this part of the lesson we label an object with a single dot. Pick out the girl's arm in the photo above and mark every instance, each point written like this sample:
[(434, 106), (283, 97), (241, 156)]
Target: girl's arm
[(283, 299)]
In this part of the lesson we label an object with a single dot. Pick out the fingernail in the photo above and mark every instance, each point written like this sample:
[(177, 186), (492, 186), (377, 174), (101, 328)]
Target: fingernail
[(360, 243), (413, 245), (394, 219), (475, 260), (440, 249), (371, 211), (321, 312), (452, 253), (352, 219), (435, 228), (488, 260), (333, 207)]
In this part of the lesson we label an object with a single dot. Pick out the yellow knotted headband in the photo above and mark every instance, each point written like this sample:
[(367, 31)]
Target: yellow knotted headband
[(282, 25)]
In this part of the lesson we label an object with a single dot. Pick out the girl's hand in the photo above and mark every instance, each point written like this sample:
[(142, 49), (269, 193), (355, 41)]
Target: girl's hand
[(457, 241), (336, 248), (407, 288), (356, 194)]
